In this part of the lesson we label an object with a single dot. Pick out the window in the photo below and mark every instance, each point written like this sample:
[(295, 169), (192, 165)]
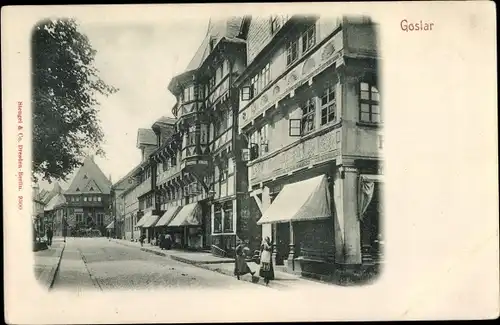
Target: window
[(328, 106), (173, 160), (85, 199), (308, 110), (292, 51), (246, 93), (165, 166), (78, 189), (91, 188), (255, 85), (191, 136), (276, 23), (294, 127), (228, 216), (203, 134), (217, 219), (189, 94), (211, 85), (225, 67), (309, 38), (85, 177), (79, 217), (265, 76), (369, 103), (100, 219)]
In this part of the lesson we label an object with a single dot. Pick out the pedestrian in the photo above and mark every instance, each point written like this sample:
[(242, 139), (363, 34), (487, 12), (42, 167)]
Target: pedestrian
[(50, 234), (240, 264), (141, 239), (168, 242), (266, 264), (162, 241)]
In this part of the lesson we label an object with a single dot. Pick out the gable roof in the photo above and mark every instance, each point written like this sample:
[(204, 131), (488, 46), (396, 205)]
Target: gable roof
[(89, 172), (56, 189), (55, 202)]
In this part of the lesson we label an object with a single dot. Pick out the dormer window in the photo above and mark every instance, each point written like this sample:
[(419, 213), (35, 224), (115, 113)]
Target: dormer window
[(91, 188), (78, 189), (85, 177)]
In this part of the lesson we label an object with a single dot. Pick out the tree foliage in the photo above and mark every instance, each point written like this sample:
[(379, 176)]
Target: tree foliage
[(66, 88)]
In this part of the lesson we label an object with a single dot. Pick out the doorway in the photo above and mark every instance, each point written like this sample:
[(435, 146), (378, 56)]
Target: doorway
[(372, 238)]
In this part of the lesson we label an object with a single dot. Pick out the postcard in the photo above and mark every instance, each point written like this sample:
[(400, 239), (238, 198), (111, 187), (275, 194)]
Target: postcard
[(250, 162)]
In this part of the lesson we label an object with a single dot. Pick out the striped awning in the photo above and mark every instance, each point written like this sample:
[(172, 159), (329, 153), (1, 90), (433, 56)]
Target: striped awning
[(189, 215), (168, 216)]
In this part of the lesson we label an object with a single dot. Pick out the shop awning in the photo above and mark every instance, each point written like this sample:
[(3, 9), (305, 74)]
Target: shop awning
[(300, 201), (150, 221), (144, 218), (168, 216), (111, 225), (189, 215)]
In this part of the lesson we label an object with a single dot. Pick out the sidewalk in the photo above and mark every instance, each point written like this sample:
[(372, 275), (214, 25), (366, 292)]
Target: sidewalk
[(47, 262), (224, 266)]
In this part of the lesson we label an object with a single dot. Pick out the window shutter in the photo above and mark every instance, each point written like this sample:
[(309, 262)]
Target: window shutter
[(294, 127)]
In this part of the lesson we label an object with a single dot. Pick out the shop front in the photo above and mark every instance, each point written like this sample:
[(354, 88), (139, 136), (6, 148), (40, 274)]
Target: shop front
[(302, 223), (146, 223), (187, 226)]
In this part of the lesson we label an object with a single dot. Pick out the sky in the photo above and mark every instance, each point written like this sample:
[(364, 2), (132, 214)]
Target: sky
[(139, 58)]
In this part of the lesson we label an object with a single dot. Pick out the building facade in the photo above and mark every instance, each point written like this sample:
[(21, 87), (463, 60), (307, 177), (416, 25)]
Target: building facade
[(87, 201), (310, 113)]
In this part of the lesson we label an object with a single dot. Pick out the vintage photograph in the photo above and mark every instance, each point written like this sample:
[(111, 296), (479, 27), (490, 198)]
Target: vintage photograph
[(216, 152)]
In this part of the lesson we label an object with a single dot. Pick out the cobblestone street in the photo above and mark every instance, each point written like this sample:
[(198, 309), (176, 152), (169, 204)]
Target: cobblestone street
[(98, 264)]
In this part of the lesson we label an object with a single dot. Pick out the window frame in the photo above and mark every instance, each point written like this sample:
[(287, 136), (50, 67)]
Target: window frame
[(308, 41), (331, 103), (289, 45), (308, 115), (370, 102), (295, 127)]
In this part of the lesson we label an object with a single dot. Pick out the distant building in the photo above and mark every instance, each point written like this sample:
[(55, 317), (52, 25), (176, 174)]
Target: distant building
[(85, 204)]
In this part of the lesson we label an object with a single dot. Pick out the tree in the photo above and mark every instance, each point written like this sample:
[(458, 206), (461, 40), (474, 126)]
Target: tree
[(66, 86)]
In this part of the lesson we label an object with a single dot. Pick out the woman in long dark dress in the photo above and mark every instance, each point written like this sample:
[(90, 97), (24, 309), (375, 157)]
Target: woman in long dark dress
[(240, 264), (266, 264)]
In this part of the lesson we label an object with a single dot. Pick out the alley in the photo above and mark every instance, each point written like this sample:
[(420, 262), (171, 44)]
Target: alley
[(98, 264)]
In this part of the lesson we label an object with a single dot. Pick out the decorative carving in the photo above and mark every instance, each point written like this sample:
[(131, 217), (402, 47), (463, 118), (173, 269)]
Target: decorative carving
[(276, 90), (328, 51), (309, 65), (314, 150), (292, 78), (264, 99)]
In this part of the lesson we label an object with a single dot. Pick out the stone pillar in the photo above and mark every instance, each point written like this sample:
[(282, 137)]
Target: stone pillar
[(292, 266), (266, 202), (351, 227), (275, 242)]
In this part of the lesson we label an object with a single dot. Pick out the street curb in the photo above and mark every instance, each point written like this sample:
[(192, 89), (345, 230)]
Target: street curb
[(48, 277)]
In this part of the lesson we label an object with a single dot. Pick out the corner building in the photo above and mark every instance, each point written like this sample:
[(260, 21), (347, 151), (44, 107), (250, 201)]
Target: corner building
[(310, 118)]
